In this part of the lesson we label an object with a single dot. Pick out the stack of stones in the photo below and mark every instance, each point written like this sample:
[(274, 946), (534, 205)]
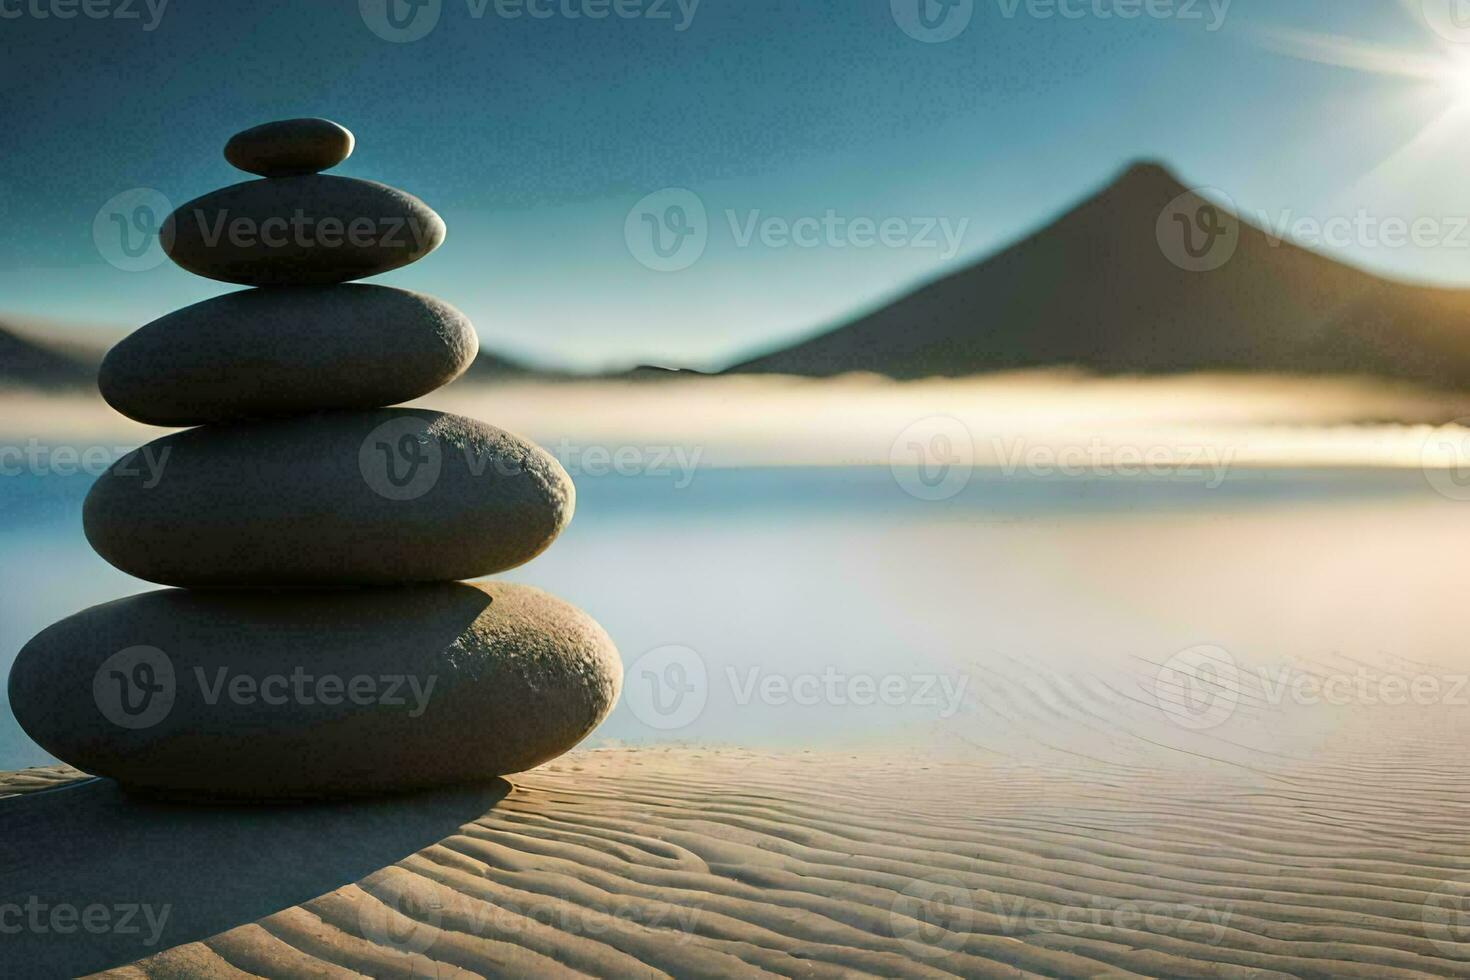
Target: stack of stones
[(319, 641)]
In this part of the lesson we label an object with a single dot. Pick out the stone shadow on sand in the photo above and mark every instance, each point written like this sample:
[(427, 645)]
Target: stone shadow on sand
[(78, 861)]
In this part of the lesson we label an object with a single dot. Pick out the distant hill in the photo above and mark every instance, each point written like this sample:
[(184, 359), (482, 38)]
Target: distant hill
[(1095, 289), (490, 367), (493, 367), (28, 363)]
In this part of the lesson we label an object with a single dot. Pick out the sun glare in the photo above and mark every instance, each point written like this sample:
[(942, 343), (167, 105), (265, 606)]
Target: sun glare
[(1436, 72), (1456, 81)]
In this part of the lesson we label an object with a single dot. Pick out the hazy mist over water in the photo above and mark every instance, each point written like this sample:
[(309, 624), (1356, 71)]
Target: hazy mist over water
[(835, 579)]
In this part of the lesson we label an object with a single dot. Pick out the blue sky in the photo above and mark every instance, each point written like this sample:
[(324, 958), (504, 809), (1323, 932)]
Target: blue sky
[(534, 137)]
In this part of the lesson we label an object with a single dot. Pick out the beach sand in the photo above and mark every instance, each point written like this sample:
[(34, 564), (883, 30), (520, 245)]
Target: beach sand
[(691, 862)]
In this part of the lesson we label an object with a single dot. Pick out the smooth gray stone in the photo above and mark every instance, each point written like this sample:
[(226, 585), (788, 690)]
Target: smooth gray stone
[(292, 695), (286, 351), (300, 231), (335, 499), (290, 147)]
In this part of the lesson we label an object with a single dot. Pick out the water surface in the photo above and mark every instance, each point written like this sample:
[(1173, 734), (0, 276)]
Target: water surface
[(815, 607)]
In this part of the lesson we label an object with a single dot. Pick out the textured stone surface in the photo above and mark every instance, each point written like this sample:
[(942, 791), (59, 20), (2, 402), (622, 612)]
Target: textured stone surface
[(337, 498), (290, 147), (265, 352), (299, 231), (398, 688)]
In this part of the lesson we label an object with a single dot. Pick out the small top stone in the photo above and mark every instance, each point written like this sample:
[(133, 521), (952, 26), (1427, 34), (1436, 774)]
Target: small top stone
[(290, 147)]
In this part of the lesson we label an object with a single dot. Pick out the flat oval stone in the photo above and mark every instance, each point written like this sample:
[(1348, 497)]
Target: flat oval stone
[(290, 147), (335, 499), (293, 695), (300, 231), (268, 352)]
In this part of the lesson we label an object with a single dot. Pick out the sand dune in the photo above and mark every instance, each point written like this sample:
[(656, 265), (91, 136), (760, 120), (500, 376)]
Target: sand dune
[(703, 863)]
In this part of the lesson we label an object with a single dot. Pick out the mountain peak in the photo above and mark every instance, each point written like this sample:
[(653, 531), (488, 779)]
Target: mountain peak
[(1147, 177), (27, 362), (1103, 288)]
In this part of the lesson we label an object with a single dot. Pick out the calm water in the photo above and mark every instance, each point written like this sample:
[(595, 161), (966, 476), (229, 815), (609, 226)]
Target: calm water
[(826, 607)]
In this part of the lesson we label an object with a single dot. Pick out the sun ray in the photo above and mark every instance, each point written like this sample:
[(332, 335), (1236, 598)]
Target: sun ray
[(1426, 144), (1437, 77), (1346, 52)]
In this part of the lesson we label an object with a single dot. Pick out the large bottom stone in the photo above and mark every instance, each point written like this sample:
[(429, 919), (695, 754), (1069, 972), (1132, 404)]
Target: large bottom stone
[(308, 694)]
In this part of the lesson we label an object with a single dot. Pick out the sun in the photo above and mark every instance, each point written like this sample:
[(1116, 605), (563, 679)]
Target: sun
[(1455, 80), (1433, 85)]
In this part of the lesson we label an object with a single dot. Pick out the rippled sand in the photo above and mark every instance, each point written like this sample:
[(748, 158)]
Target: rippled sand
[(689, 862)]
